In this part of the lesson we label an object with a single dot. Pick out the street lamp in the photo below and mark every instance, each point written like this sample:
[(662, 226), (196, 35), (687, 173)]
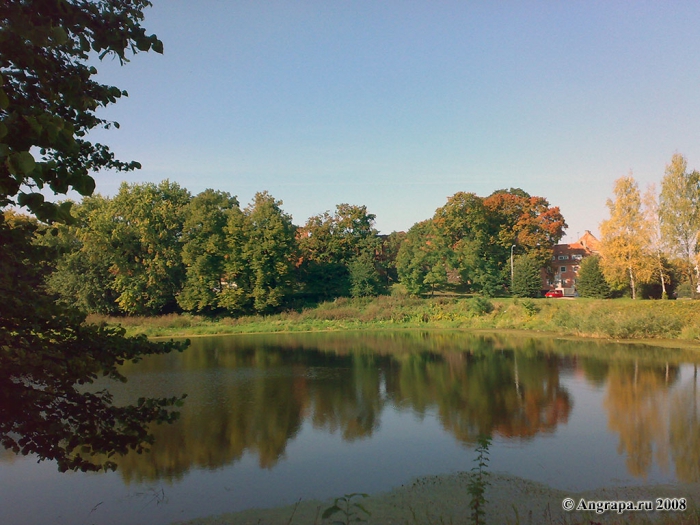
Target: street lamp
[(511, 268)]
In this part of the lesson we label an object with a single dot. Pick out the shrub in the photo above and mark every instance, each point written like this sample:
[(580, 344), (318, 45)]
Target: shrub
[(530, 307), (527, 281), (591, 282), (481, 306), (684, 291)]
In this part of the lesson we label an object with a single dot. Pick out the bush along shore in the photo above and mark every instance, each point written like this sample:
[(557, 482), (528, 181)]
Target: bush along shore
[(598, 318)]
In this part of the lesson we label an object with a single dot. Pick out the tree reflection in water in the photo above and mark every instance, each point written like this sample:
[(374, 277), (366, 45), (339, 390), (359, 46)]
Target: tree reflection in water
[(251, 395)]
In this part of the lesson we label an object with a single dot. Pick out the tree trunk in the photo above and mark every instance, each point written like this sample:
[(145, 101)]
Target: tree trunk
[(664, 295), (634, 292)]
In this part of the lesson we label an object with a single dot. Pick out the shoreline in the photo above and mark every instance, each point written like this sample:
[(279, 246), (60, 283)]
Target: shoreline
[(445, 499), (662, 323), (672, 344)]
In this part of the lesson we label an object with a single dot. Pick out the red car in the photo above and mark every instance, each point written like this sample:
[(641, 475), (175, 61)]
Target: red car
[(554, 293)]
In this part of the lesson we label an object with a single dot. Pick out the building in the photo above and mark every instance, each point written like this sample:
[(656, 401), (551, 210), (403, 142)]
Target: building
[(566, 260)]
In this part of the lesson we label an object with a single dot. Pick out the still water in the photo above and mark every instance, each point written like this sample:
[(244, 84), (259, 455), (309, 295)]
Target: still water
[(271, 419)]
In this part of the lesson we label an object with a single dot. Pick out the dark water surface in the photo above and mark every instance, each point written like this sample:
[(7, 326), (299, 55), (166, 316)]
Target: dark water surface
[(271, 419)]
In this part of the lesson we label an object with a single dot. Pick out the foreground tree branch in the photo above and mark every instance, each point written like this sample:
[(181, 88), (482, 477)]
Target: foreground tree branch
[(48, 99)]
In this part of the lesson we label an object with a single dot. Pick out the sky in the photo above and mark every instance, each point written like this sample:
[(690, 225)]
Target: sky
[(398, 105)]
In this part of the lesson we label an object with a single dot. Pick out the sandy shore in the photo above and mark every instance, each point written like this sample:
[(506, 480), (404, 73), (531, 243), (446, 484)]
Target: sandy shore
[(445, 500)]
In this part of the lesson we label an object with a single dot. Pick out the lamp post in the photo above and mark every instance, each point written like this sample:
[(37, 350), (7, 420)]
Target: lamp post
[(511, 268)]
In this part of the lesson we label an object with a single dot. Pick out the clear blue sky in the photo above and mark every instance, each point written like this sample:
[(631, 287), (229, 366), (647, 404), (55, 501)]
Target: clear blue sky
[(399, 104)]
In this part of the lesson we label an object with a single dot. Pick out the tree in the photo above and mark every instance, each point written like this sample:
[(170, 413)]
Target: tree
[(679, 214), (83, 275), (391, 244), (364, 277), (526, 221), (467, 231), (204, 249), (480, 231), (49, 99), (328, 244), (260, 263), (48, 103), (625, 239), (527, 280), (656, 244), (47, 356), (591, 281), (421, 252), (144, 235)]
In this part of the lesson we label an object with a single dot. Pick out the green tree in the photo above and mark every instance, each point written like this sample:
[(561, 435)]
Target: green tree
[(48, 104), (679, 214), (204, 249), (48, 354), (329, 243), (422, 251), (262, 252), (467, 230), (145, 231), (627, 261), (591, 281), (340, 237), (49, 98), (527, 278), (365, 279), (391, 244), (83, 275), (480, 231)]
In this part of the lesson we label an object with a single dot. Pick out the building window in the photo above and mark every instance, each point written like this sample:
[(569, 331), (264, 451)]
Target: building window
[(563, 269), (577, 257), (563, 257)]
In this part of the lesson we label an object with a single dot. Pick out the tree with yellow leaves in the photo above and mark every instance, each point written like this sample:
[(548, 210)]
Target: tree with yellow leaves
[(627, 258), (679, 211)]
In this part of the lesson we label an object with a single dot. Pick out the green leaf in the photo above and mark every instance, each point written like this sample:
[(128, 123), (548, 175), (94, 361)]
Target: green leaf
[(3, 130), (59, 35), (34, 124), (63, 212), (85, 185), (26, 162), (330, 511), (4, 101), (156, 45), (30, 200), (21, 163), (143, 44)]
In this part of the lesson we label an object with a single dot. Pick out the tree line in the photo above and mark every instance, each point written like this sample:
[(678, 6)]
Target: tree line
[(649, 243), (155, 248)]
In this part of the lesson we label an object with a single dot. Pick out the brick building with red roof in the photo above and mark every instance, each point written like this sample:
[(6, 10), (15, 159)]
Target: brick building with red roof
[(566, 259)]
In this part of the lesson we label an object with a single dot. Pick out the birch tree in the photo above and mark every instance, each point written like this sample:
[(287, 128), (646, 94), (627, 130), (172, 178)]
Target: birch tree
[(651, 214), (679, 213), (625, 238)]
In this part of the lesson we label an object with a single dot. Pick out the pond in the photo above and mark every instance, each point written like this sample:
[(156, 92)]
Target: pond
[(270, 419)]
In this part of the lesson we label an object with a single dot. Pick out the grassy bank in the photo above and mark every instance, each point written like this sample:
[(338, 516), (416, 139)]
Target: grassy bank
[(613, 319)]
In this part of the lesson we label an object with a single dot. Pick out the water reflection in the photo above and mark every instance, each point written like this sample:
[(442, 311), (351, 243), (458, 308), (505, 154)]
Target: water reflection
[(252, 395), (684, 432)]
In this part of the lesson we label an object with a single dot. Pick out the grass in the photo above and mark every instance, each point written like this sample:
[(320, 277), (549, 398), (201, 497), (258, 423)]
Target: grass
[(597, 318)]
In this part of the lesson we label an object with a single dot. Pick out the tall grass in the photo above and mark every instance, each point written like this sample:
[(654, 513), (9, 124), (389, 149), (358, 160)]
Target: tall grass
[(613, 319)]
